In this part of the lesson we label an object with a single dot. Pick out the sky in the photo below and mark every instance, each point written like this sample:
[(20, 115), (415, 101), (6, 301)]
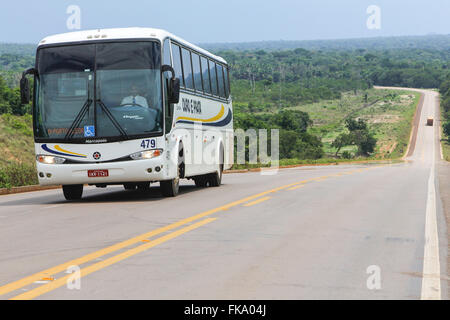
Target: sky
[(212, 21)]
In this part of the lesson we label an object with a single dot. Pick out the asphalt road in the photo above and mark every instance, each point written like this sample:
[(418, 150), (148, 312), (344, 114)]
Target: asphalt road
[(336, 232)]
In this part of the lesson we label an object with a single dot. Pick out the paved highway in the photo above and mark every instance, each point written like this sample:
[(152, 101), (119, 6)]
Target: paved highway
[(336, 232)]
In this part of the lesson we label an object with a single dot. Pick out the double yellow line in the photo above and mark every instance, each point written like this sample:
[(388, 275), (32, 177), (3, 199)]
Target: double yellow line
[(33, 293), (110, 261)]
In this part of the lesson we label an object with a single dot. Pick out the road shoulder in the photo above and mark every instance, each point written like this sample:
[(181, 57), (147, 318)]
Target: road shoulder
[(443, 173)]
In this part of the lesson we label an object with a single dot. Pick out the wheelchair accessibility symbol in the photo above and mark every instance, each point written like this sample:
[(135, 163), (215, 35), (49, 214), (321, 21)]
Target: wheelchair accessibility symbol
[(89, 131)]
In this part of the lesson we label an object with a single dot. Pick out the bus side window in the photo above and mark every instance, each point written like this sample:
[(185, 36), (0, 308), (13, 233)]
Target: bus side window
[(220, 81), (177, 63), (227, 83), (213, 73), (187, 69), (197, 73), (205, 73)]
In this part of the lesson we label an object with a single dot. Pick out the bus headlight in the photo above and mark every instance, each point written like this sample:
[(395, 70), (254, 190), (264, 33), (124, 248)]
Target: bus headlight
[(149, 154), (50, 159)]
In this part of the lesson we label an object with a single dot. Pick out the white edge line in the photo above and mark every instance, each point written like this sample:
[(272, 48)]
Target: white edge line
[(431, 280)]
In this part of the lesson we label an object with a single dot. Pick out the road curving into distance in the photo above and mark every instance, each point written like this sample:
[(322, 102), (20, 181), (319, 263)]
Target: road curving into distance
[(374, 231)]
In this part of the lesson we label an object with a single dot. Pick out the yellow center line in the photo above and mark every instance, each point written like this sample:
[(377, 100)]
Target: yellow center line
[(295, 188), (89, 257), (92, 256), (257, 201), (108, 250), (110, 261)]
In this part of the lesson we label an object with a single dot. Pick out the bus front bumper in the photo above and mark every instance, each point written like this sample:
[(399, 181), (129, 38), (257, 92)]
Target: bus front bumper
[(117, 172)]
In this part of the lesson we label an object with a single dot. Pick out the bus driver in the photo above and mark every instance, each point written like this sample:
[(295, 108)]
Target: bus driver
[(134, 98)]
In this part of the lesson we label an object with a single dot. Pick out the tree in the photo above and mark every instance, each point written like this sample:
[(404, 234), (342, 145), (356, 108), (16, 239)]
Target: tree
[(344, 139), (358, 135), (292, 120), (354, 125), (365, 141)]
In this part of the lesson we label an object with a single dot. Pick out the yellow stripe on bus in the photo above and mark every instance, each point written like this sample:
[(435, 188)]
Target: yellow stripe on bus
[(69, 152), (218, 117)]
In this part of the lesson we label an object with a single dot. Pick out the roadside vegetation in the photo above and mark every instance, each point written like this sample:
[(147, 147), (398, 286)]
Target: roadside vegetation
[(16, 143), (445, 114)]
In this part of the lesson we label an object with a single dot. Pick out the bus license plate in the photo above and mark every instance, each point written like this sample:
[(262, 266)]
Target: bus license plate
[(98, 173)]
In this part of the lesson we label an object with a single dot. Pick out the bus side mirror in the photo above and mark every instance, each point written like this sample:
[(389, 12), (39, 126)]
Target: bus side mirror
[(25, 91), (174, 91), (174, 85)]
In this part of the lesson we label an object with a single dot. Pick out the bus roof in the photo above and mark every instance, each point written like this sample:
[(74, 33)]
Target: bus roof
[(121, 33)]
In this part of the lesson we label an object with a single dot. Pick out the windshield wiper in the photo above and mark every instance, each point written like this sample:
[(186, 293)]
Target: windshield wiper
[(78, 119), (111, 117)]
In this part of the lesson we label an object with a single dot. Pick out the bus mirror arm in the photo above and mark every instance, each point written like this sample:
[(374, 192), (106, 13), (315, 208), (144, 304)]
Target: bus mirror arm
[(174, 85), (25, 91)]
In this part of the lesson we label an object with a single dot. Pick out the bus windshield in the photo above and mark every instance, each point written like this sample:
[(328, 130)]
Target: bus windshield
[(100, 90)]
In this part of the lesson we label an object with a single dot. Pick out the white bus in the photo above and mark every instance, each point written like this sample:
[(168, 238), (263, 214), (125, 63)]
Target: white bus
[(129, 107)]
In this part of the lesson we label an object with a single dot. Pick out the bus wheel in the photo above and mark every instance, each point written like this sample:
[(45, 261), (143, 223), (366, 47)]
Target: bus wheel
[(74, 192), (143, 186), (170, 188), (129, 186), (201, 181), (215, 179)]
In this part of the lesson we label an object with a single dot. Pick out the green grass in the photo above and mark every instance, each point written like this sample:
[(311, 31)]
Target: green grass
[(322, 161), (16, 139), (17, 166), (446, 149), (445, 142), (17, 175), (389, 114)]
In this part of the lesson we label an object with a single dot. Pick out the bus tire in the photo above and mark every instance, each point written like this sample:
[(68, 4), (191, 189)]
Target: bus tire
[(143, 186), (129, 186), (170, 188), (201, 181), (73, 192), (215, 179)]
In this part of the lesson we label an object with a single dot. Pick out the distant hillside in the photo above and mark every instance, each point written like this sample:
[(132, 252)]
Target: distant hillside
[(17, 49), (437, 42)]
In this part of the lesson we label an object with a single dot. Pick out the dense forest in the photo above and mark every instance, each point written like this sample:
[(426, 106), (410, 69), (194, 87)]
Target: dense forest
[(268, 78), (433, 42), (281, 78)]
